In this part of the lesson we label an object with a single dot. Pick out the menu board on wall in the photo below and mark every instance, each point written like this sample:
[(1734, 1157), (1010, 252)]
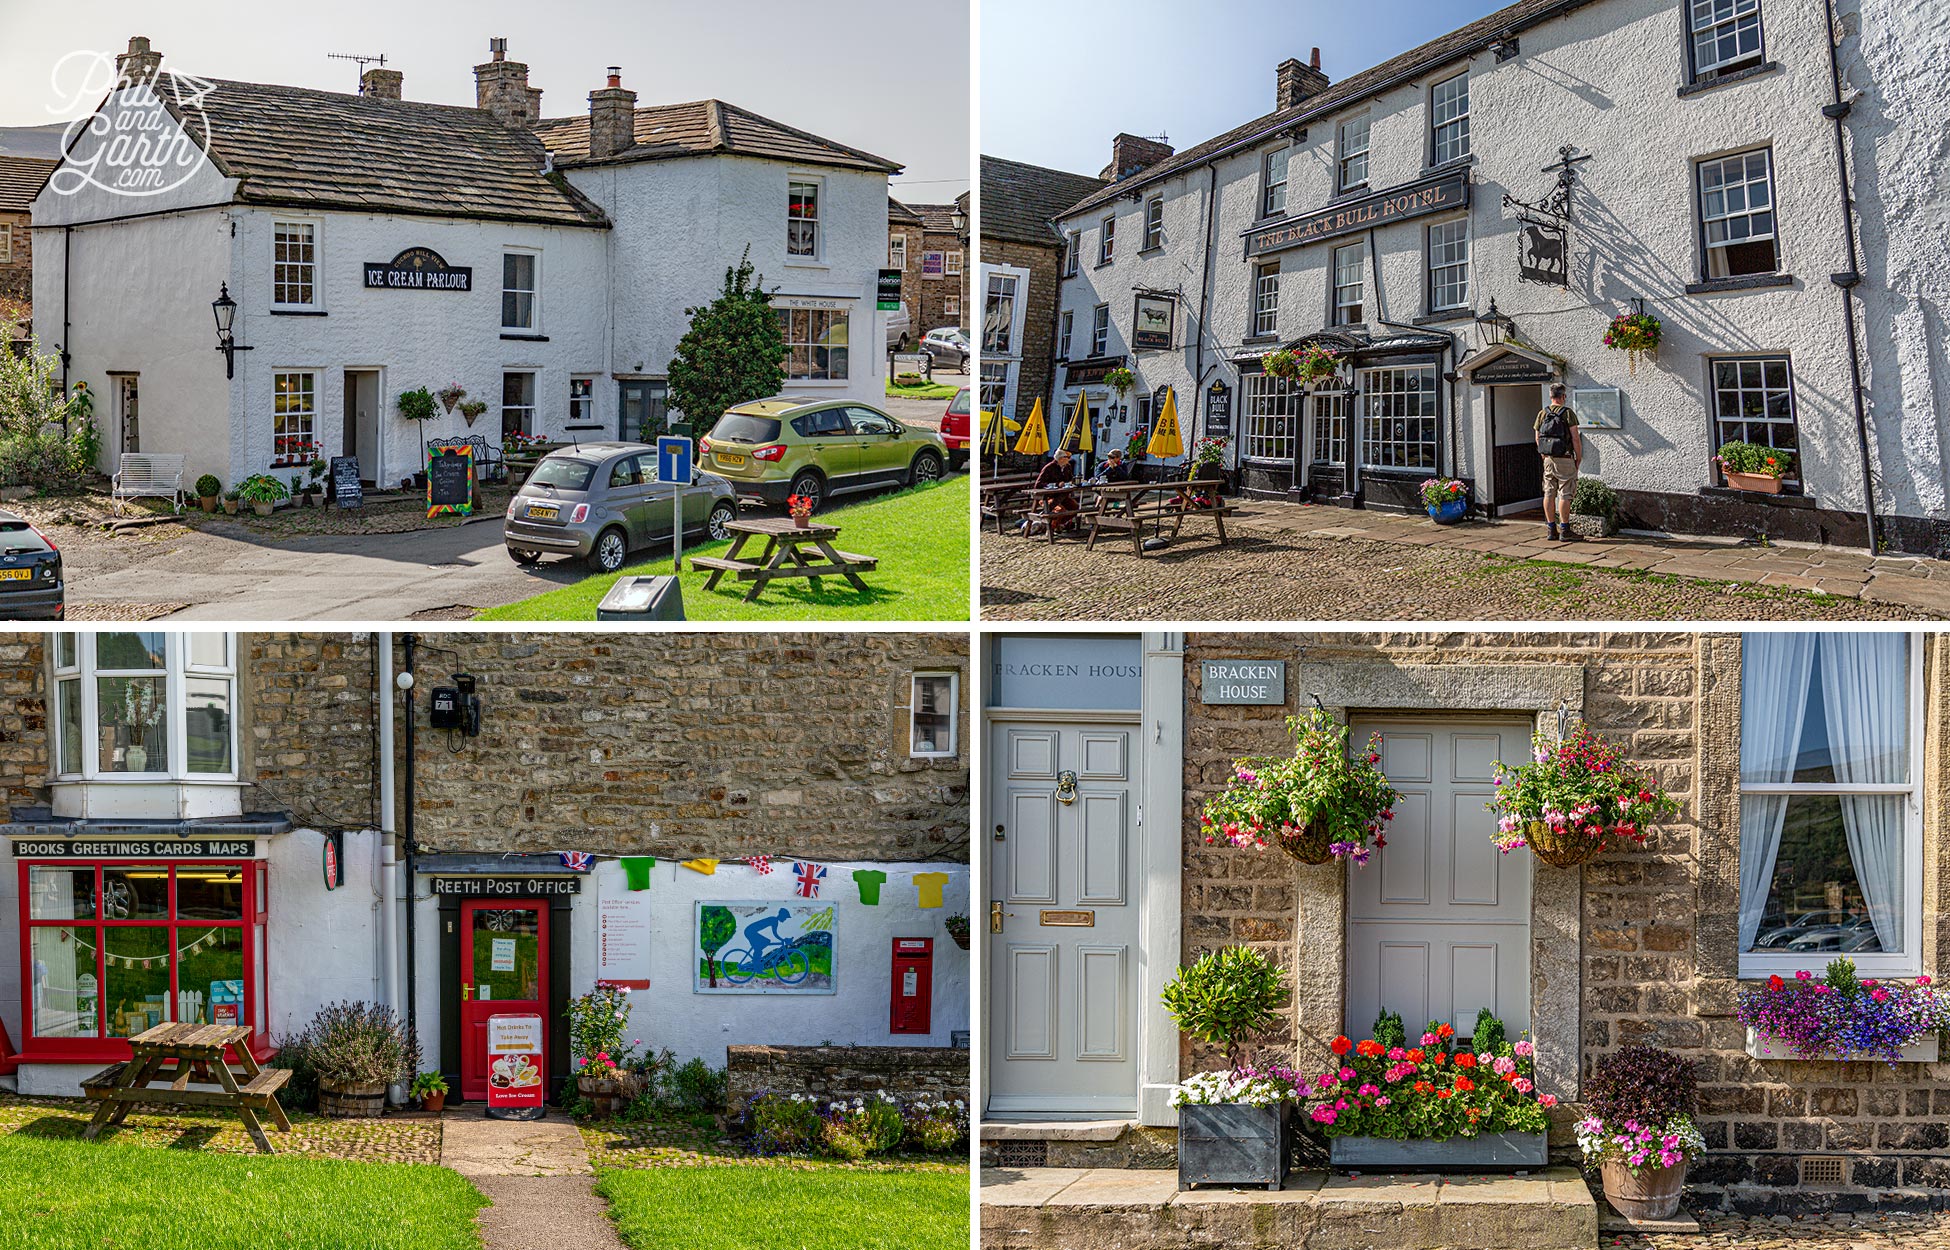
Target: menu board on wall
[(623, 941)]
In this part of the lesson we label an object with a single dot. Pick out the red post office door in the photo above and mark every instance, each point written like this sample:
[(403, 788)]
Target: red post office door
[(504, 969)]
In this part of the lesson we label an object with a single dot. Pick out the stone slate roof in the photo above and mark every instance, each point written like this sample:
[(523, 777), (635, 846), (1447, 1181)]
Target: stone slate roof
[(1349, 91), (936, 218), (706, 128), (300, 147), (1020, 201), (899, 214), (21, 179)]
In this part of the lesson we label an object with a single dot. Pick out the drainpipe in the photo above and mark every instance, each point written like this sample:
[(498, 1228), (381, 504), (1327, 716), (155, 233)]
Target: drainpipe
[(389, 863), (412, 977), (67, 325), (1204, 305), (1850, 279)]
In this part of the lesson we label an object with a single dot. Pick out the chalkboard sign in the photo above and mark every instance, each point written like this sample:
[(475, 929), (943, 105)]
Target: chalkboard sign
[(346, 487), (1218, 411), (450, 480)]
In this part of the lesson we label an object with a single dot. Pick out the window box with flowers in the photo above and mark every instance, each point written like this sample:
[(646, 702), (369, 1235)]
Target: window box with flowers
[(1574, 798), (1322, 803), (1235, 1125), (1755, 467), (1841, 1017)]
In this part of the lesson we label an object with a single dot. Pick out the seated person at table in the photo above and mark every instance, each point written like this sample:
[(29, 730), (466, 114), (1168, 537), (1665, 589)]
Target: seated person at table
[(1060, 509), (1114, 469)]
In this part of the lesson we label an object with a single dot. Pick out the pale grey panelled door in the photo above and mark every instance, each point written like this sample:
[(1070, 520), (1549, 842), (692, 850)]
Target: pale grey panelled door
[(1439, 920), (1063, 884)]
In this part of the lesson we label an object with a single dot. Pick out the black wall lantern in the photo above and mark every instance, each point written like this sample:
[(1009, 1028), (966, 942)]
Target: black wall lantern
[(1497, 328), (225, 309)]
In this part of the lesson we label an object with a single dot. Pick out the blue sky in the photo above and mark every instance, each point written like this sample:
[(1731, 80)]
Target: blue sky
[(1060, 77)]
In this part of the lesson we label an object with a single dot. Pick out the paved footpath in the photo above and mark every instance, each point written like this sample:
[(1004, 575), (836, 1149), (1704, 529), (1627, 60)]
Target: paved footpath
[(537, 1174)]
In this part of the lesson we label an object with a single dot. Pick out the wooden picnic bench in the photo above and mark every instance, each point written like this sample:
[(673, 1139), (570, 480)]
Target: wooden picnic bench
[(1122, 507), (179, 1054), (141, 474), (1040, 499), (1006, 497), (785, 555)]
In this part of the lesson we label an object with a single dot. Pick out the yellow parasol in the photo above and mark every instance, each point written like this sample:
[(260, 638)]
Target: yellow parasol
[(1035, 437), (1078, 435), (1166, 440)]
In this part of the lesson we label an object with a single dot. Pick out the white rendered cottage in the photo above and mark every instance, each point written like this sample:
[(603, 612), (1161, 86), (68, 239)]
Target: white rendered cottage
[(375, 245)]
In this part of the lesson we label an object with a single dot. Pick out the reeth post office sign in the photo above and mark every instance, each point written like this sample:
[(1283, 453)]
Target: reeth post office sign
[(507, 887), (1242, 681), (1416, 199), (418, 269)]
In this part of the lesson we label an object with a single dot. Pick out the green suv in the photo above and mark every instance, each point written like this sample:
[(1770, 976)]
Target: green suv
[(773, 448)]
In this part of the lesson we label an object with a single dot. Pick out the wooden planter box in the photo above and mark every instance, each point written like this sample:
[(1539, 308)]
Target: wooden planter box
[(1485, 1150), (1234, 1144), (1759, 483), (1925, 1051)]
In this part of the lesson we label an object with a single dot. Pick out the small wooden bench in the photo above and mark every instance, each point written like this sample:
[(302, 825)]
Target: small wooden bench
[(147, 475)]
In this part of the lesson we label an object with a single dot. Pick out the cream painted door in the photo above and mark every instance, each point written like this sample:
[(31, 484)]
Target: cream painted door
[(1439, 920), (1063, 880)]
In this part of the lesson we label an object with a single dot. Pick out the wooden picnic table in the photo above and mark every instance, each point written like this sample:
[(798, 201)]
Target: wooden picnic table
[(1135, 511), (178, 1053), (1042, 497), (1004, 497), (785, 555)]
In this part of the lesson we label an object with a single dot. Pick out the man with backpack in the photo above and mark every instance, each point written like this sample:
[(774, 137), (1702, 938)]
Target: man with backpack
[(1561, 445)]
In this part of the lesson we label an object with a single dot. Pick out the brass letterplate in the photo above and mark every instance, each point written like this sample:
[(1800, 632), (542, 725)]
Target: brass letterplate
[(1072, 919)]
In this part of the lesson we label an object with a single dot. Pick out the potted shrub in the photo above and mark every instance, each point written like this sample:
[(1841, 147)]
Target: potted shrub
[(1638, 1129), (1751, 466), (957, 927), (1433, 1104), (314, 480), (298, 490), (1594, 509), (1235, 1126), (1843, 1017), (1322, 803), (208, 487), (1635, 334), (416, 404), (597, 1021), (431, 1089), (358, 1049), (1446, 499), (1575, 797), (1208, 463), (261, 491), (230, 502)]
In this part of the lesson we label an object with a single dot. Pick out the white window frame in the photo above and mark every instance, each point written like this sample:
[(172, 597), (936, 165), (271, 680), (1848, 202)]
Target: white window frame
[(1003, 290), (897, 251), (582, 408), (1272, 190), (951, 306), (1100, 332), (1072, 253), (1266, 299), (1372, 384), (818, 253), (1154, 223), (1351, 157), (1740, 390), (1444, 266), (1269, 417), (309, 435), (1449, 121), (1746, 213), (812, 344), (1705, 27), (1343, 287), (1065, 330), (176, 672), (533, 291), (310, 267), (1328, 412), (1107, 240), (1909, 961), (953, 713), (952, 263), (531, 408), (6, 242)]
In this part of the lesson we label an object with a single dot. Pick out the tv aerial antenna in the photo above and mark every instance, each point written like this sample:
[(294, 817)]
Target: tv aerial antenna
[(362, 60)]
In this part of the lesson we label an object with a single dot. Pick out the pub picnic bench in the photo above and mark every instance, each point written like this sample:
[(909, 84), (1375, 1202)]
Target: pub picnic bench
[(1040, 499), (1189, 499), (785, 555), (1006, 497), (165, 1060), (147, 475)]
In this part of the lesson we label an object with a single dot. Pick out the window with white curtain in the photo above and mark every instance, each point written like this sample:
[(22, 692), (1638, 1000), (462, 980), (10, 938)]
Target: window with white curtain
[(1831, 831), (1354, 153)]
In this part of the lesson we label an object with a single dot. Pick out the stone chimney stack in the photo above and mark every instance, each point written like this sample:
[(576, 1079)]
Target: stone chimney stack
[(1130, 153), (381, 84), (138, 64), (1297, 81), (501, 88), (612, 117)]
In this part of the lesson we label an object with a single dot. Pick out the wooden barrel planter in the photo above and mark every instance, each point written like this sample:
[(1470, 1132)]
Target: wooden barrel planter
[(1561, 850), (605, 1097), (352, 1100), (1650, 1194)]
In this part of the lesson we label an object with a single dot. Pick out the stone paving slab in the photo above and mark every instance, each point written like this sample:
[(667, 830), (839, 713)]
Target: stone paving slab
[(1055, 1130), (537, 1175)]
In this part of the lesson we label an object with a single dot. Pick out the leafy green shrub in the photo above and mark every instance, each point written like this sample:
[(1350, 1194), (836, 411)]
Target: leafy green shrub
[(208, 486), (1594, 498), (416, 404), (1488, 1036), (1389, 1030), (261, 488), (783, 1124), (862, 1127), (1226, 997), (597, 1021), (935, 1127), (697, 1086)]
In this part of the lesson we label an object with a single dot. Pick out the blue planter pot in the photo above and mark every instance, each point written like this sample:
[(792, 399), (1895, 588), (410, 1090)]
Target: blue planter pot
[(1449, 513)]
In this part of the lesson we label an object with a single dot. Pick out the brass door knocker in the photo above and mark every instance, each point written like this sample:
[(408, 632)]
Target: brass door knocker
[(1066, 787)]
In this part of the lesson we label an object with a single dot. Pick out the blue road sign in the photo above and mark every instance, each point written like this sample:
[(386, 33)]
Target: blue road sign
[(674, 460)]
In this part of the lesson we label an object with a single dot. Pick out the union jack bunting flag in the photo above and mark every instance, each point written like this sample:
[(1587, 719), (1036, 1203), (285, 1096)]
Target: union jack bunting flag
[(809, 876), (576, 861)]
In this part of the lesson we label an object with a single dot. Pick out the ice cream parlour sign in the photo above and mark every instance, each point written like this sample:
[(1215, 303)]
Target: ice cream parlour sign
[(418, 269), (136, 848)]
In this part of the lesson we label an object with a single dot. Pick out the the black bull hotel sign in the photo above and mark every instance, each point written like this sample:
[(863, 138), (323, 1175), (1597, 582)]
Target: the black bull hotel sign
[(418, 269), (1383, 208)]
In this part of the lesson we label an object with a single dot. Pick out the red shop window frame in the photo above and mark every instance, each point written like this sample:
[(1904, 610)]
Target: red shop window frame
[(37, 1049)]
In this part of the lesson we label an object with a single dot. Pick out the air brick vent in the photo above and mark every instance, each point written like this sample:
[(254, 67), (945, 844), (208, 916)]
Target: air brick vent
[(1824, 1170), (1023, 1154)]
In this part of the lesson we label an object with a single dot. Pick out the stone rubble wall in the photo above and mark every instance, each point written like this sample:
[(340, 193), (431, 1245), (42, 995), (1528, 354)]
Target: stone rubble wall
[(834, 1072)]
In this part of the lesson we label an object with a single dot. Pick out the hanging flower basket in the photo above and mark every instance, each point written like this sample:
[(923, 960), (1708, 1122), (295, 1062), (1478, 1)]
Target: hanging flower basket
[(1119, 380), (1574, 799), (1635, 334), (1319, 804), (1310, 365)]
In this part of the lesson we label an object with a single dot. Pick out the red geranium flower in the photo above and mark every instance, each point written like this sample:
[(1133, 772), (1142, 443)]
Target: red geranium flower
[(1341, 1046), (1445, 1031), (1775, 982), (1465, 1060), (1423, 1087), (1444, 1093), (1437, 1057), (1464, 1084), (1415, 1055)]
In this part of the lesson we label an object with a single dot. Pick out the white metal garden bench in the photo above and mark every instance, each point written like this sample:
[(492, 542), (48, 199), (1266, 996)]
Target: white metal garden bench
[(141, 474)]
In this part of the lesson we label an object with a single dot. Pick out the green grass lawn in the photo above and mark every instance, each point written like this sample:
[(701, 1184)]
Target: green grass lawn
[(920, 536), (927, 390), (96, 1195), (746, 1208)]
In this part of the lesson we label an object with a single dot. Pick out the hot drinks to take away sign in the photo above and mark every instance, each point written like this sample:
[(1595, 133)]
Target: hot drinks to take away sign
[(514, 1052)]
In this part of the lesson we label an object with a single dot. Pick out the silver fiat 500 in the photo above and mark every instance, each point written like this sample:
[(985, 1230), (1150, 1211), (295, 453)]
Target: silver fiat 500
[(600, 501)]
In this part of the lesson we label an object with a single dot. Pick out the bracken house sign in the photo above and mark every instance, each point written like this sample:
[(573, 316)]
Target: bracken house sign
[(418, 269), (1417, 199)]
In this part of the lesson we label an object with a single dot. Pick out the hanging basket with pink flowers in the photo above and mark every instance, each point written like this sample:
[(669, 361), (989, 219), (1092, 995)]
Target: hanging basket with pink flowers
[(1324, 802), (1574, 798)]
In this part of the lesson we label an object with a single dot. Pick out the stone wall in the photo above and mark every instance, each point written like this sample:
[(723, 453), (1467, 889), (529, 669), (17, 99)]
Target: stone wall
[(826, 1072), (1035, 375), (23, 721), (926, 299), (310, 739), (17, 274)]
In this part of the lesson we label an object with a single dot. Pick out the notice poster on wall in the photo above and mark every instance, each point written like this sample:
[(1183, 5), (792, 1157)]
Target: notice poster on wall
[(764, 948), (502, 956), (623, 942), (514, 1052)]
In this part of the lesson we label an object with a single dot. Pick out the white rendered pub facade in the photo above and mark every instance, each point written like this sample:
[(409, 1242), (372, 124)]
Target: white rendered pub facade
[(374, 245), (1461, 224)]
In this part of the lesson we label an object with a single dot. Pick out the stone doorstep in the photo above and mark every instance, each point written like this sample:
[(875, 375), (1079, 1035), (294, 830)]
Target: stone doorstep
[(1610, 1221), (1067, 1209), (1056, 1130)]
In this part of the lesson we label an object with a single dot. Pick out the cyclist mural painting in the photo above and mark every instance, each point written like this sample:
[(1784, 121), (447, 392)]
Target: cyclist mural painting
[(764, 948)]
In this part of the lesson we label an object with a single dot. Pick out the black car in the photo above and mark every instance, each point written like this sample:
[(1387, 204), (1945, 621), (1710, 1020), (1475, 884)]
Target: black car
[(30, 572)]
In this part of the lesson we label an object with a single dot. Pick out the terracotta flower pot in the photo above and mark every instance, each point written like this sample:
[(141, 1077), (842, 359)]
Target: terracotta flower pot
[(800, 522), (207, 502), (1759, 483), (435, 1103), (230, 507), (262, 506), (1648, 1194), (1561, 850)]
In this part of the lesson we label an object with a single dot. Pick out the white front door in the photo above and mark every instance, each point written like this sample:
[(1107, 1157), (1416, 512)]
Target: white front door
[(1063, 881), (1439, 920)]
